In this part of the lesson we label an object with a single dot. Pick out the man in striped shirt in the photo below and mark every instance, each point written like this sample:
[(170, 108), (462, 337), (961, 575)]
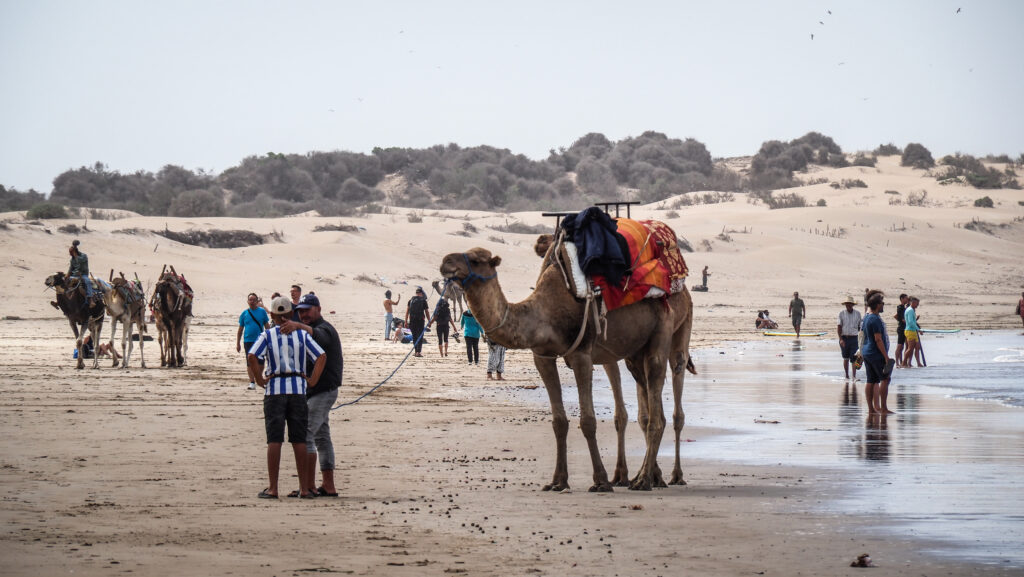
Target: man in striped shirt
[(285, 399)]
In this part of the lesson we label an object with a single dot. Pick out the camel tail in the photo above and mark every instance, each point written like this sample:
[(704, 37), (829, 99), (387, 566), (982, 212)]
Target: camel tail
[(690, 366)]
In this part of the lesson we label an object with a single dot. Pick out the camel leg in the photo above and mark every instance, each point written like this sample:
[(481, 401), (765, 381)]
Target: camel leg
[(583, 369), (178, 330), (96, 329), (654, 365), (559, 421), (113, 333), (621, 476), (185, 327), (636, 368), (127, 340), (679, 362)]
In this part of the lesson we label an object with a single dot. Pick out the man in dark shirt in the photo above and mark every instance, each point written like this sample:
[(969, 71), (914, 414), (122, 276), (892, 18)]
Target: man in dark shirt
[(321, 398), (417, 314), (901, 325)]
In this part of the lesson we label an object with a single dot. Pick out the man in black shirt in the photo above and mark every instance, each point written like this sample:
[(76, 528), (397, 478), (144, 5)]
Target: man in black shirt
[(320, 398), (901, 325), (417, 314)]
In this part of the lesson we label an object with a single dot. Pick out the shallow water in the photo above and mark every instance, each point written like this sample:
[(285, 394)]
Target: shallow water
[(949, 466)]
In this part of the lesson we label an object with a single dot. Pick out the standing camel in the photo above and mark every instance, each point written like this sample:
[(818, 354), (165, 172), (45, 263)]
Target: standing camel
[(682, 320), (116, 298), (72, 302), (455, 295), (551, 322), (173, 306)]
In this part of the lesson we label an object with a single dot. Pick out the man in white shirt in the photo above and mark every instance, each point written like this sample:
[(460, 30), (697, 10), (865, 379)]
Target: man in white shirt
[(847, 329)]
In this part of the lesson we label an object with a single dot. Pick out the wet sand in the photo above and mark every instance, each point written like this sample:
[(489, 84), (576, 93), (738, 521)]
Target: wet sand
[(156, 472)]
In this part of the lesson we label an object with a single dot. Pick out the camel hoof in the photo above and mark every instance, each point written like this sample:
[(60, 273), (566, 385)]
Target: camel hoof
[(640, 484), (677, 481), (555, 487), (607, 488), (620, 480)]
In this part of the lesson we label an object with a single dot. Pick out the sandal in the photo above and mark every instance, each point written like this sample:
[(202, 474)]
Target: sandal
[(321, 492), (265, 494)]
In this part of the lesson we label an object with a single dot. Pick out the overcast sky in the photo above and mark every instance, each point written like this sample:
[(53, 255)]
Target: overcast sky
[(203, 84)]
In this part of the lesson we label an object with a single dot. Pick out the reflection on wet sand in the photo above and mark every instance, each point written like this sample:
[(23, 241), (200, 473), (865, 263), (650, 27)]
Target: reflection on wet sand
[(876, 438)]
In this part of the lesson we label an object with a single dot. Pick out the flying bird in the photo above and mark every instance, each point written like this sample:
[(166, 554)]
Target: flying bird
[(957, 10), (812, 36), (829, 11), (820, 22)]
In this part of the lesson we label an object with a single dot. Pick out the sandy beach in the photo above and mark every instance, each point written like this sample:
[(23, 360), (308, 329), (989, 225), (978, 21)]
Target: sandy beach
[(155, 471)]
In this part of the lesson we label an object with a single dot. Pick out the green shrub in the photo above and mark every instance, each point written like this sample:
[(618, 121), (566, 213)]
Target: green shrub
[(917, 156), (821, 202), (414, 217), (887, 150), (864, 160), (46, 210), (854, 183), (785, 200), (984, 202)]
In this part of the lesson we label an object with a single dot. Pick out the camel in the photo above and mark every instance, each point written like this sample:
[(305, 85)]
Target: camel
[(163, 339), (551, 322), (455, 295), (681, 318), (71, 301), (120, 310), (170, 298)]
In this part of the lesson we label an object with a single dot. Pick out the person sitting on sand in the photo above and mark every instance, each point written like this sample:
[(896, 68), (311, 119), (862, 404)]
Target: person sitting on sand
[(764, 321), (105, 350)]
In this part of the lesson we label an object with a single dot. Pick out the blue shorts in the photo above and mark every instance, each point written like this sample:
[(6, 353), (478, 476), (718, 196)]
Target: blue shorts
[(874, 366), (849, 347)]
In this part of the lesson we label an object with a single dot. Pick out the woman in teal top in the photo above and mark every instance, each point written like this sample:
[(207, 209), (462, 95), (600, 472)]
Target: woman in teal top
[(471, 330)]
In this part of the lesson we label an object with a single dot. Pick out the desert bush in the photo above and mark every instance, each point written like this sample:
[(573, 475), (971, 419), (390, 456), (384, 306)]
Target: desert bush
[(521, 228), (414, 217), (821, 202), (864, 160), (335, 227), (854, 183), (917, 198), (214, 238), (785, 200), (887, 150), (980, 226), (45, 210), (496, 239), (1001, 158), (197, 203), (917, 156), (372, 208), (835, 185), (72, 229), (896, 192), (469, 228), (363, 277), (671, 214), (984, 202)]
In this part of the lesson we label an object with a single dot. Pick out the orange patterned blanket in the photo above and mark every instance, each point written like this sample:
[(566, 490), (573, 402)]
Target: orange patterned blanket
[(655, 263)]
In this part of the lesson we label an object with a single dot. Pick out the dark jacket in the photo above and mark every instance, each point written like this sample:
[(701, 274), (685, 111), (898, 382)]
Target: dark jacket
[(601, 249)]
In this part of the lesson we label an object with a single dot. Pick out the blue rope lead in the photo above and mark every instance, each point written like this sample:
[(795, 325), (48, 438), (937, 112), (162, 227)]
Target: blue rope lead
[(418, 339)]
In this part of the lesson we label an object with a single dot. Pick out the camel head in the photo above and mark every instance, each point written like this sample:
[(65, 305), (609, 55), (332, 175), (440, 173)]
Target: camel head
[(474, 264), (543, 244), (55, 280)]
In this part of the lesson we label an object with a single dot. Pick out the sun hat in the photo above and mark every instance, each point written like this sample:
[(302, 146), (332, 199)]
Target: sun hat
[(281, 306), (308, 301), (849, 299)]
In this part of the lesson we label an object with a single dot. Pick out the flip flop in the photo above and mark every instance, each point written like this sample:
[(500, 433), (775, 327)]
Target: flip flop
[(323, 493), (265, 495), (297, 495)]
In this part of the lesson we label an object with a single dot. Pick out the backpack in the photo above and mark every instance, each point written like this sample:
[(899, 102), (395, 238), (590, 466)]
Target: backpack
[(444, 312)]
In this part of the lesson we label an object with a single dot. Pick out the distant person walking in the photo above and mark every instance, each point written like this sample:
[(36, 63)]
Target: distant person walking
[(389, 314), (797, 312), (296, 293), (877, 363), (901, 325), (847, 329), (471, 331), (443, 317), (417, 314), (251, 323), (495, 360), (1020, 308), (913, 334)]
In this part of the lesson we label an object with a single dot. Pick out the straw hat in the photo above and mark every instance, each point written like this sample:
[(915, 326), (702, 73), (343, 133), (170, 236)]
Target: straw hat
[(849, 299)]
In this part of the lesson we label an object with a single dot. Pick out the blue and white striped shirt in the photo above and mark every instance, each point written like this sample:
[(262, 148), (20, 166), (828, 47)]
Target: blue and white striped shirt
[(286, 354)]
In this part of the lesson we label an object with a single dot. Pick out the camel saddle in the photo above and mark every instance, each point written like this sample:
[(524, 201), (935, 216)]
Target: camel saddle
[(656, 267), (131, 290)]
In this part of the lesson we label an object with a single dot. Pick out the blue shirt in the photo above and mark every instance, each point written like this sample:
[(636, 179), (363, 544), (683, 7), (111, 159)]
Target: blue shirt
[(910, 317), (252, 327), (286, 355), (470, 327), (873, 325)]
